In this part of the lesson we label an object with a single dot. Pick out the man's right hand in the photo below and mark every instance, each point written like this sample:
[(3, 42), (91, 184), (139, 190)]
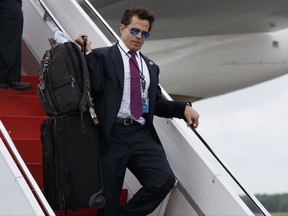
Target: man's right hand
[(79, 40)]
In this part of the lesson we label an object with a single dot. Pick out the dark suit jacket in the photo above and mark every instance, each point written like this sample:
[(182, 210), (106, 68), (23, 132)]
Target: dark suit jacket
[(107, 82)]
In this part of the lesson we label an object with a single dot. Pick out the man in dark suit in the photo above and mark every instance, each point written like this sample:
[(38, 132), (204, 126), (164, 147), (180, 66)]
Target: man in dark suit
[(11, 27), (127, 140)]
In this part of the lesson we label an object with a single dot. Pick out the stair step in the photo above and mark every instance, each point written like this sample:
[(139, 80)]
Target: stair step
[(14, 134), (28, 105), (23, 122), (29, 149), (27, 127)]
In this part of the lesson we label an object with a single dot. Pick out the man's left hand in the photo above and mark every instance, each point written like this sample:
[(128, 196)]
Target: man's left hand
[(191, 116)]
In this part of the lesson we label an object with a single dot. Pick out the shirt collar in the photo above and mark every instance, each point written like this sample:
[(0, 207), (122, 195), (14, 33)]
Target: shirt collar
[(125, 49)]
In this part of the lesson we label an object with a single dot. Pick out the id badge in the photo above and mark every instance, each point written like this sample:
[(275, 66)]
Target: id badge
[(145, 105)]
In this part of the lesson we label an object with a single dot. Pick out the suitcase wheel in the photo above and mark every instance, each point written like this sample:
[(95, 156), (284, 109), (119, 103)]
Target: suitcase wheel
[(97, 201)]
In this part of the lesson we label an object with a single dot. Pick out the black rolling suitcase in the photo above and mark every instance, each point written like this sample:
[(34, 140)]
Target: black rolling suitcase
[(71, 163)]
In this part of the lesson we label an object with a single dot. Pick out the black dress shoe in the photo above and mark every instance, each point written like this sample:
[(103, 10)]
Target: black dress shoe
[(4, 85), (20, 86)]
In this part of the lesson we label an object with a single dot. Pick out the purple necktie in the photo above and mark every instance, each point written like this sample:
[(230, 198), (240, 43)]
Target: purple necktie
[(135, 96)]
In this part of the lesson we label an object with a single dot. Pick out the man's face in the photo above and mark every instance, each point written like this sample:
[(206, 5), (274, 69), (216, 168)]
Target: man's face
[(134, 42)]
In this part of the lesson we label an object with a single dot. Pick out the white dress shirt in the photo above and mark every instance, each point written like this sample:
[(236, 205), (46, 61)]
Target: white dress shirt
[(125, 110)]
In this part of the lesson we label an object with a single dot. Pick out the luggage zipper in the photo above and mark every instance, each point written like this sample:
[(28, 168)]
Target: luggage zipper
[(41, 92), (50, 95), (74, 67), (62, 201), (72, 81), (42, 84)]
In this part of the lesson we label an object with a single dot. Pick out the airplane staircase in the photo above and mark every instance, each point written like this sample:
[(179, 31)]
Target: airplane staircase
[(201, 188), (22, 115)]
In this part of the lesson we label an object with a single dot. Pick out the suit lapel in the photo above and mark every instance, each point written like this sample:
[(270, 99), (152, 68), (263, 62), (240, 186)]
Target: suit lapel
[(119, 68), (117, 63)]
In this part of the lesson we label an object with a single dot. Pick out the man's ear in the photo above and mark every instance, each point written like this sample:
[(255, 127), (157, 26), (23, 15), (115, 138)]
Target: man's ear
[(121, 27)]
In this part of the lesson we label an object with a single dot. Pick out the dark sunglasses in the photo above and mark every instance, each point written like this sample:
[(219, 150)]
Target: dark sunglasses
[(135, 31)]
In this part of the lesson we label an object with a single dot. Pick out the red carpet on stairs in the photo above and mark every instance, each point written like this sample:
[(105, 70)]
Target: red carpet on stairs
[(22, 115)]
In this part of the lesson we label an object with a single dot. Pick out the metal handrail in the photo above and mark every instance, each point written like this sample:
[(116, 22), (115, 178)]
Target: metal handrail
[(101, 19), (52, 17)]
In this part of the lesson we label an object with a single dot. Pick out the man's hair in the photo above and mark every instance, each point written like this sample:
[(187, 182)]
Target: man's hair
[(142, 12)]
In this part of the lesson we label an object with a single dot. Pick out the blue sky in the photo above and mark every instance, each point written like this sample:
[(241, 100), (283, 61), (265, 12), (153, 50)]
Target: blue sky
[(249, 131)]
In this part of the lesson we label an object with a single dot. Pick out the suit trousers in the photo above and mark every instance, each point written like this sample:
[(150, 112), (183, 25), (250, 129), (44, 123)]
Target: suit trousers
[(134, 147), (11, 28)]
